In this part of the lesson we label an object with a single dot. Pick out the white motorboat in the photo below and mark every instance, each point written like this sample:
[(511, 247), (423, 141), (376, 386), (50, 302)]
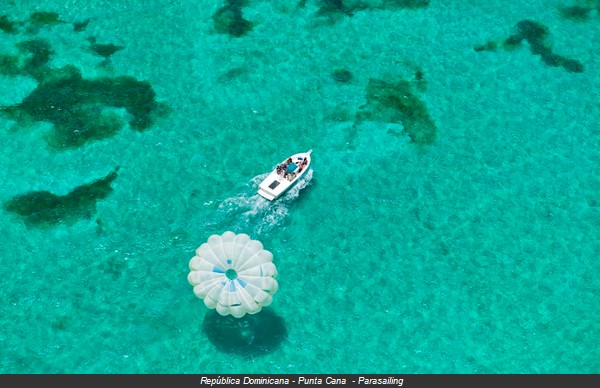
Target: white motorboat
[(285, 175)]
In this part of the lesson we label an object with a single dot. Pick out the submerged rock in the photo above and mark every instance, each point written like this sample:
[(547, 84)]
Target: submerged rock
[(230, 20), (45, 18), (342, 75), (396, 102), (535, 34), (104, 50), (41, 19), (7, 25), (38, 208), (38, 53), (80, 109), (577, 12), (333, 9), (81, 26)]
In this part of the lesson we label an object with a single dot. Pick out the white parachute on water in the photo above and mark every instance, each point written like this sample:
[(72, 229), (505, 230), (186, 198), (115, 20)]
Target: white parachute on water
[(233, 274)]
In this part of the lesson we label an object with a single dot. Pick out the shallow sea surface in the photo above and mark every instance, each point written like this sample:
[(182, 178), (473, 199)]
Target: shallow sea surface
[(450, 222)]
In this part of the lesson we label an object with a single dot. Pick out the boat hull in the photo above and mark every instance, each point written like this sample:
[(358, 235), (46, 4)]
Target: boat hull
[(284, 176)]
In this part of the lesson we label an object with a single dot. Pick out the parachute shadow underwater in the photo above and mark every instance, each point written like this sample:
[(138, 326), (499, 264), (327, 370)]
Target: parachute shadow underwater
[(220, 273), (236, 278), (249, 336)]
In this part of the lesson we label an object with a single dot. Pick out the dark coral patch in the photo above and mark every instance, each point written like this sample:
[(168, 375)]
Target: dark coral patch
[(45, 19), (41, 19), (230, 20), (82, 109), (39, 54), (87, 122), (489, 46), (396, 102), (410, 3), (572, 65), (6, 25), (332, 7), (335, 8), (103, 50), (342, 75), (419, 80), (232, 73), (510, 42), (9, 65), (576, 12), (535, 34), (40, 208), (81, 26), (532, 31), (69, 101)]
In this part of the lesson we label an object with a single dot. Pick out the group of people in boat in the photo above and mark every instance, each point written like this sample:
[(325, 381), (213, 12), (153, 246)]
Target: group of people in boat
[(303, 164), (282, 169)]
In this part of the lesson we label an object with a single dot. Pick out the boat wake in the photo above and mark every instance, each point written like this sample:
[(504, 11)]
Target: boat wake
[(250, 210)]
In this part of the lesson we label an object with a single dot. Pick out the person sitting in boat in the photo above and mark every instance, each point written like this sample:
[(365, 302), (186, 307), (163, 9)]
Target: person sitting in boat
[(303, 164), (282, 168)]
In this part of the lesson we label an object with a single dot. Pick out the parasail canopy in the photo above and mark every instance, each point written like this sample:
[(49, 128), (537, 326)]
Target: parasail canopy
[(233, 274)]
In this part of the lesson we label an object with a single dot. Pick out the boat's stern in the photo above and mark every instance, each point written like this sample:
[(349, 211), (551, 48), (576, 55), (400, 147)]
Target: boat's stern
[(272, 186), (265, 194)]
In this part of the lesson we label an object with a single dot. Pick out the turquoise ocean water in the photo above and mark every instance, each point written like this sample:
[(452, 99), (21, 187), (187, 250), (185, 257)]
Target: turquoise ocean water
[(450, 222)]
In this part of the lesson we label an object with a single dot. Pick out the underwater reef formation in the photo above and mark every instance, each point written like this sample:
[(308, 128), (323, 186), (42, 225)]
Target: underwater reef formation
[(234, 72), (575, 12), (230, 20), (38, 20), (9, 65), (80, 26), (39, 208), (535, 34), (103, 50), (41, 19), (393, 102), (335, 8), (580, 11), (342, 75), (419, 82), (6, 25), (79, 108), (37, 53)]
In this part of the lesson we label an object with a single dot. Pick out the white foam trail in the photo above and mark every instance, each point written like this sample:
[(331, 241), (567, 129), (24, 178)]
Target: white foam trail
[(294, 192), (250, 210)]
